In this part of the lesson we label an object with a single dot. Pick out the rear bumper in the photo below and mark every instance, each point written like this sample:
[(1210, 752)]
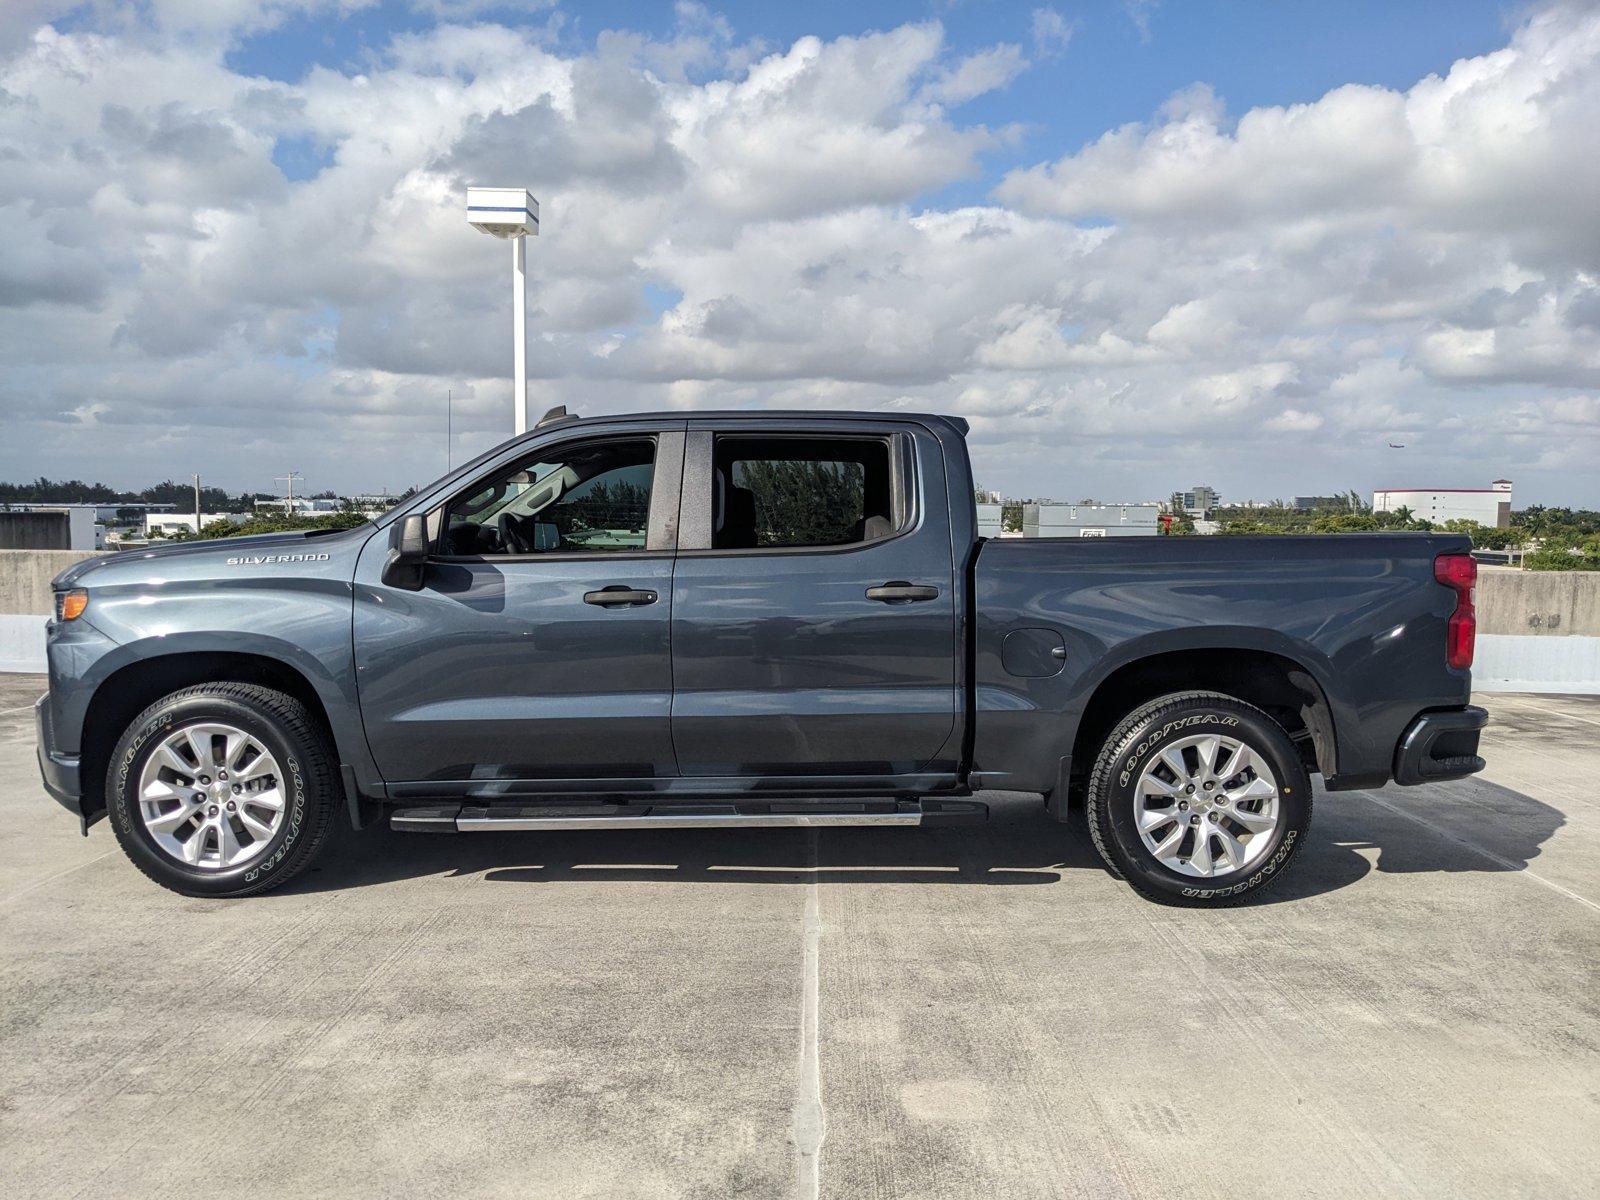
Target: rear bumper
[(1440, 745), (60, 771)]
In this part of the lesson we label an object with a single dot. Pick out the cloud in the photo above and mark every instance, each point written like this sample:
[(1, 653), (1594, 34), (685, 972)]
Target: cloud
[(1051, 33), (1259, 299), (1139, 13), (1293, 420), (986, 71)]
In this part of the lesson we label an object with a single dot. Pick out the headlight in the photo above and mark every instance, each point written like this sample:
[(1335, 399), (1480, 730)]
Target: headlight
[(70, 605)]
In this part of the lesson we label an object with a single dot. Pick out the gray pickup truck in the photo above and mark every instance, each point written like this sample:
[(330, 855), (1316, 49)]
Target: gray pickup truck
[(743, 619)]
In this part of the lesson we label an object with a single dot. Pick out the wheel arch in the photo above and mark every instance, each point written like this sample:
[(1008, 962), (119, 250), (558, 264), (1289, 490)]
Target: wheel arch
[(1284, 687), (135, 685)]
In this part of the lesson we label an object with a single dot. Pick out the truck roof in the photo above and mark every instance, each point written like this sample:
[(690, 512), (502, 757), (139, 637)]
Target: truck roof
[(560, 416)]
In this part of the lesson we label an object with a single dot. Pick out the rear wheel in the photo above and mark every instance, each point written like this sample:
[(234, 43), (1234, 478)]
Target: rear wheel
[(1198, 799), (223, 789)]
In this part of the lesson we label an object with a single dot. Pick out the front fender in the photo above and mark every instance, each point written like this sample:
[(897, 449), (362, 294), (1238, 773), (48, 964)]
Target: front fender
[(304, 627)]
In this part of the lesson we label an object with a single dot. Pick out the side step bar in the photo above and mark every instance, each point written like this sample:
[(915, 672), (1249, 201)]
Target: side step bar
[(450, 818)]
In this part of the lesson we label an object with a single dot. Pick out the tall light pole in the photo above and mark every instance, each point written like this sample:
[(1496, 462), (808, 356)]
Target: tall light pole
[(511, 213)]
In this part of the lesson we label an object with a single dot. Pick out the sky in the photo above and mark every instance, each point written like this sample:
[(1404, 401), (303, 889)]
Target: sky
[(1138, 244)]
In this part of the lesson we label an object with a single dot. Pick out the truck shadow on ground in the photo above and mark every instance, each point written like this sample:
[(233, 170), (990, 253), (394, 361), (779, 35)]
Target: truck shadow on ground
[(1352, 835)]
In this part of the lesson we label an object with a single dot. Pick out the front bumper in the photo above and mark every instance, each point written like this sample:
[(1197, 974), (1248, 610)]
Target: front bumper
[(60, 771), (1440, 745)]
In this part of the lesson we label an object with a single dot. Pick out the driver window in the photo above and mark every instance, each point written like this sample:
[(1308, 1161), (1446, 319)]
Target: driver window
[(594, 496)]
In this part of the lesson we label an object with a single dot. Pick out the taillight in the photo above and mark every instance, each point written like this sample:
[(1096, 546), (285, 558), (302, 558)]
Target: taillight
[(1459, 572)]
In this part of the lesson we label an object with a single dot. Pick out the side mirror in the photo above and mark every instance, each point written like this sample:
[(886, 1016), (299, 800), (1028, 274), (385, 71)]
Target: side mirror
[(408, 553)]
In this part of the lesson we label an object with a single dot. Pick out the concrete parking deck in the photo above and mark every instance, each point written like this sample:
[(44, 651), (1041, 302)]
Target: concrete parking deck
[(856, 1013)]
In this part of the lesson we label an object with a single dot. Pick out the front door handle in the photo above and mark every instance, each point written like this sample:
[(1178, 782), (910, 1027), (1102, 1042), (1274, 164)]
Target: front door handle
[(898, 591), (619, 595)]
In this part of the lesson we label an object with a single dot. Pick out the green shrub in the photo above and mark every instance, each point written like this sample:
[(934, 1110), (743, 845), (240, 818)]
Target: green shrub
[(1559, 558), (271, 523)]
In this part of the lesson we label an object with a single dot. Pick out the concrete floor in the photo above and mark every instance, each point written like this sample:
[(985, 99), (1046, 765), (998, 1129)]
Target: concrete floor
[(939, 1013)]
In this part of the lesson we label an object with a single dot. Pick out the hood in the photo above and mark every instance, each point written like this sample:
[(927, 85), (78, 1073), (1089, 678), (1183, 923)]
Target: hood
[(260, 543)]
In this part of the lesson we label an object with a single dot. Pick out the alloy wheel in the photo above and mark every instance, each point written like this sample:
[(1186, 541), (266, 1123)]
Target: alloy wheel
[(211, 796), (1206, 806)]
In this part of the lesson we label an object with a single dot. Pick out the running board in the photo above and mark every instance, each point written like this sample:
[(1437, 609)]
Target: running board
[(450, 818)]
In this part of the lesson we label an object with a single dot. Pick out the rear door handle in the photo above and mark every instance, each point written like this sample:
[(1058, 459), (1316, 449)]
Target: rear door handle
[(619, 595), (898, 591)]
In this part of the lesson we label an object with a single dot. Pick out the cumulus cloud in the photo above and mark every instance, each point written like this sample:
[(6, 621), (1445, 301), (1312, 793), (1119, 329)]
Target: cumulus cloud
[(1051, 32), (985, 71), (1260, 299)]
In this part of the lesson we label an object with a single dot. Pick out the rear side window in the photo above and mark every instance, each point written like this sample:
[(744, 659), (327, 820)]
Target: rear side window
[(797, 492)]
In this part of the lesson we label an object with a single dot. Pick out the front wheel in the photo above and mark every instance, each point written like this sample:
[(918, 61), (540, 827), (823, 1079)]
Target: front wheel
[(223, 789), (1199, 799)]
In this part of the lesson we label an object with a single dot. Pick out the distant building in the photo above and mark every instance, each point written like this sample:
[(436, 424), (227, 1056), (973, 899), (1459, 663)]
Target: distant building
[(378, 502), (301, 504), (114, 513), (1199, 500), (158, 524), (1314, 502), (1090, 520), (51, 527), (989, 524), (1490, 506)]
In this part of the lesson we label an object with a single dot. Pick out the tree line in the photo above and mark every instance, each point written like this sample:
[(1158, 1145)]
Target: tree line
[(168, 491), (1552, 539)]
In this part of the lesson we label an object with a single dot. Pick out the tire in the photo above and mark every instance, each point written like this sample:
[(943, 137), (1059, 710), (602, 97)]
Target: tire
[(1262, 811), (302, 782)]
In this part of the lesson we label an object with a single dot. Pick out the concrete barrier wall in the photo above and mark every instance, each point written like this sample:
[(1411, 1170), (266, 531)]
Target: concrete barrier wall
[(22, 643), (25, 577), (1529, 663), (1538, 603)]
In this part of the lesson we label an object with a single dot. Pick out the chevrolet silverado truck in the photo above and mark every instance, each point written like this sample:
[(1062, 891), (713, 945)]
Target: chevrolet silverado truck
[(746, 619)]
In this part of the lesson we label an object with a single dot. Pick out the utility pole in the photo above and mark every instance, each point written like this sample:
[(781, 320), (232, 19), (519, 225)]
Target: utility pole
[(449, 425), (197, 505), (288, 479)]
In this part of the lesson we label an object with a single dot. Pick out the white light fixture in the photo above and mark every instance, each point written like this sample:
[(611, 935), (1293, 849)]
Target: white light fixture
[(511, 213)]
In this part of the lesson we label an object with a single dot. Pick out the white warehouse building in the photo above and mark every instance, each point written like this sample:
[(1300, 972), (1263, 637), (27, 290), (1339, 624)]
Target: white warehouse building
[(1490, 506), (1090, 520), (160, 524)]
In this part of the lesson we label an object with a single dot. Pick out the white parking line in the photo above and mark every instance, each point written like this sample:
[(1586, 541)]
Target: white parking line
[(810, 1117), (39, 883), (6, 712)]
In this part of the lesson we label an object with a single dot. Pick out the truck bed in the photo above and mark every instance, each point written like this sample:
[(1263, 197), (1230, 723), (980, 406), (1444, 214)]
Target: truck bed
[(1361, 616)]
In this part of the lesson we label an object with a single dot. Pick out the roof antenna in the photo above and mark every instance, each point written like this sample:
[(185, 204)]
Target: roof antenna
[(556, 416)]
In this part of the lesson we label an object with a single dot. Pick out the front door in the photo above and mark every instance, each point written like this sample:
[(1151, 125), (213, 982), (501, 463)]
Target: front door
[(813, 620), (535, 657)]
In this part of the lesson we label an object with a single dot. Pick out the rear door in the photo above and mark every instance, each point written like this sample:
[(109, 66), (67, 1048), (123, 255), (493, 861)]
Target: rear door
[(535, 656), (814, 625)]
